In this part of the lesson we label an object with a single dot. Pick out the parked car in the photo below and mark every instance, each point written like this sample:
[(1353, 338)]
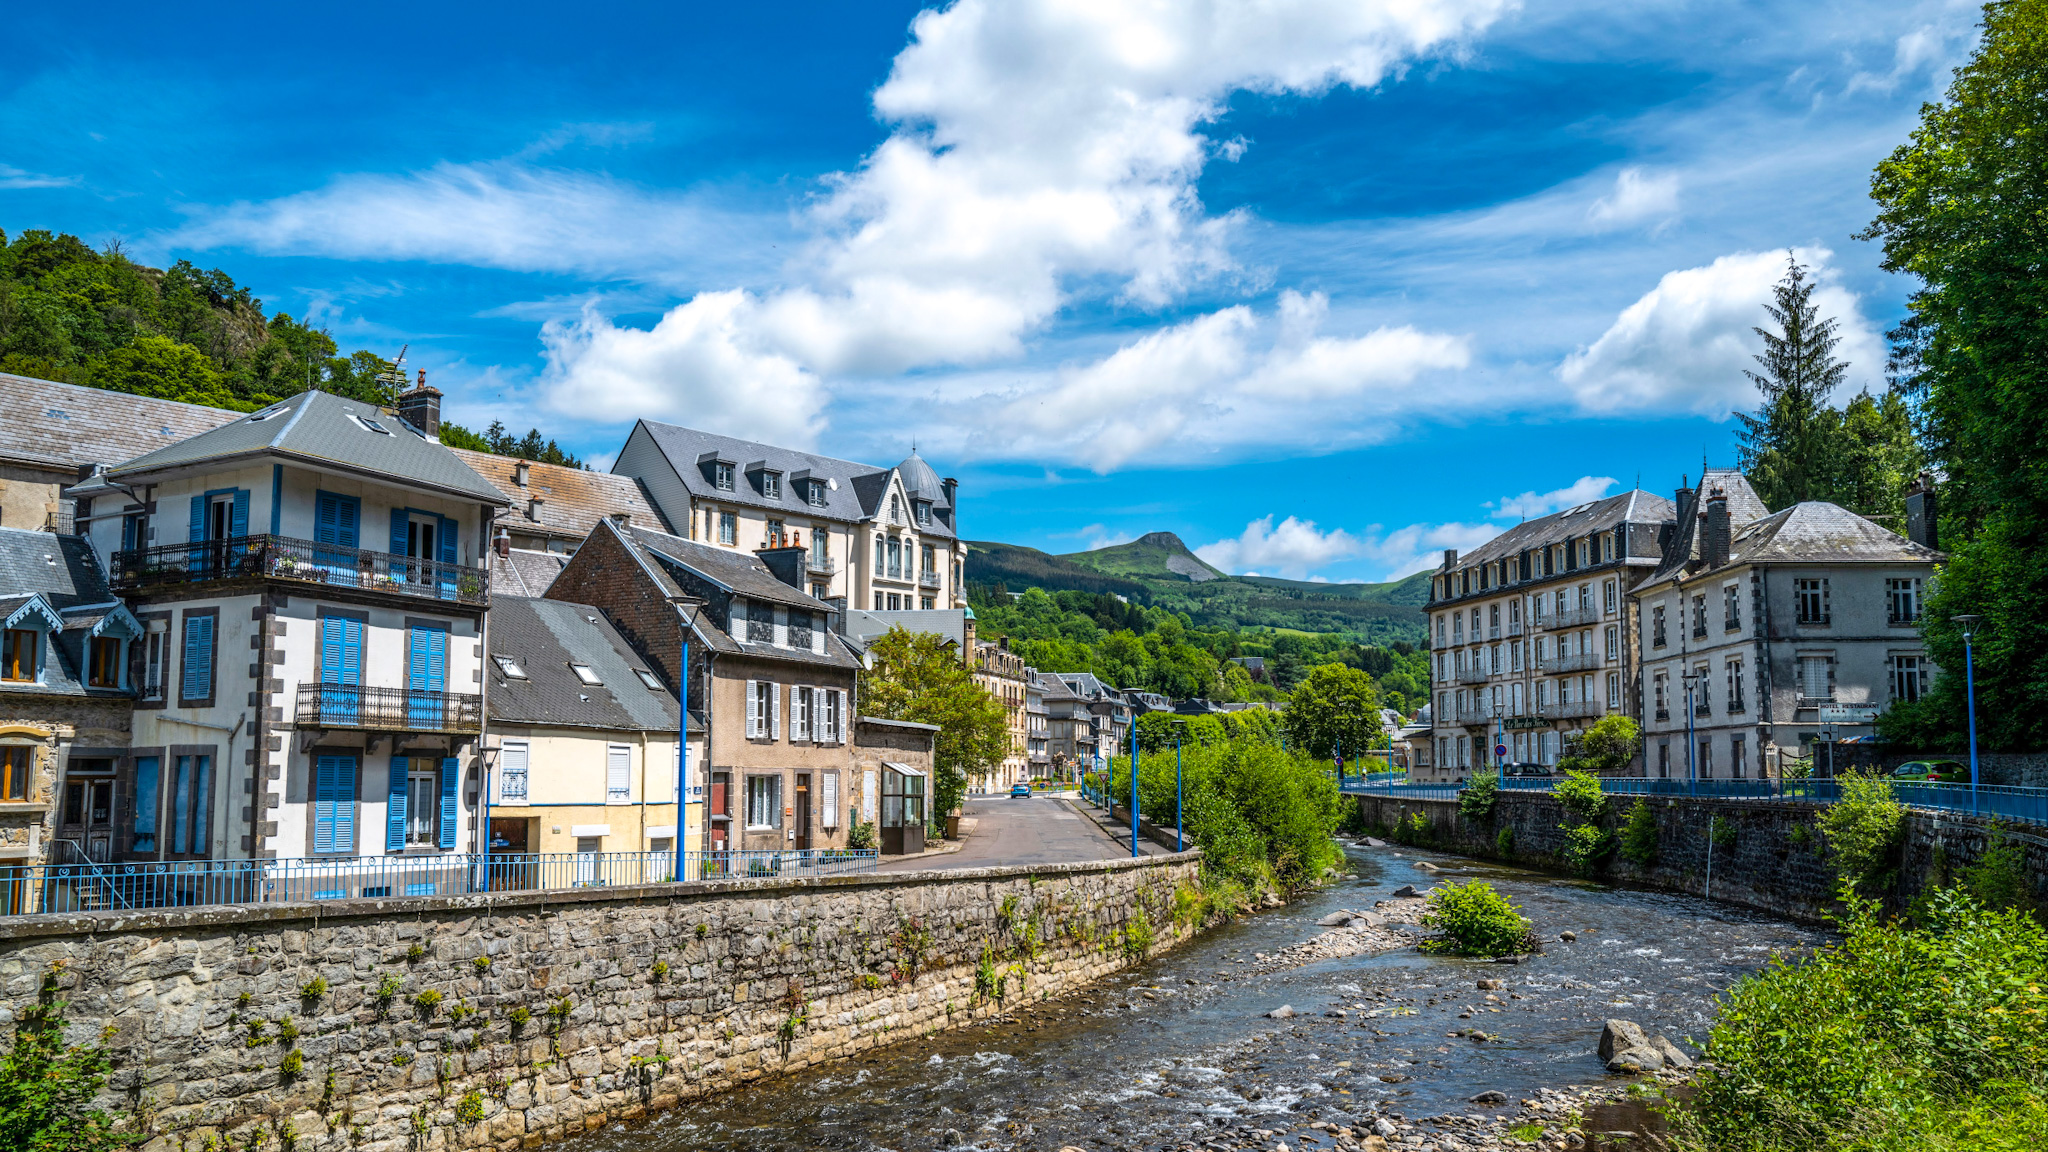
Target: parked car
[(1936, 771), (1020, 791), (1525, 769)]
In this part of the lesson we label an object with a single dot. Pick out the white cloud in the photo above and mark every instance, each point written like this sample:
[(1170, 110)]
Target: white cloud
[(1686, 343), (1296, 548), (1639, 196), (1920, 50), (12, 178), (1530, 505)]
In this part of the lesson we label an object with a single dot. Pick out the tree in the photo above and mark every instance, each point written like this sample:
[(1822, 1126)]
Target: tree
[(47, 1086), (1335, 709), (917, 676), (1790, 444), (1607, 747), (1959, 208)]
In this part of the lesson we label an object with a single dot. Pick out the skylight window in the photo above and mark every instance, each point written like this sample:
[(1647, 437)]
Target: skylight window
[(647, 678), (585, 673), (369, 424), (266, 414), (510, 667)]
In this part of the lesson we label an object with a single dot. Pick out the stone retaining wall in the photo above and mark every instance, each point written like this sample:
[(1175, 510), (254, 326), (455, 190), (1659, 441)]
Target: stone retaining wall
[(1777, 862), (512, 1019)]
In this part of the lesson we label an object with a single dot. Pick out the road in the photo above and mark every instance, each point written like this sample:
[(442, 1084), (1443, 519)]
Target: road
[(1040, 830)]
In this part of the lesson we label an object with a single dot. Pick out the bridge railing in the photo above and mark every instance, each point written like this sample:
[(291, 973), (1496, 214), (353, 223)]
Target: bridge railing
[(2023, 804)]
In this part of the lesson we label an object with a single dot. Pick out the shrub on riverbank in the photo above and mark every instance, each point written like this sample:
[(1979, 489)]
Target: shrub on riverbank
[(1862, 829), (1931, 1037), (1474, 920), (1262, 815)]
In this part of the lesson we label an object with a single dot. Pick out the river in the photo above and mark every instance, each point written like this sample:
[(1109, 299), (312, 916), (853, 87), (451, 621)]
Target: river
[(1180, 1052)]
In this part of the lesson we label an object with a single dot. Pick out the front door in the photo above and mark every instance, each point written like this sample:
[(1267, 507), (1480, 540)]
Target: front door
[(803, 810), (86, 817)]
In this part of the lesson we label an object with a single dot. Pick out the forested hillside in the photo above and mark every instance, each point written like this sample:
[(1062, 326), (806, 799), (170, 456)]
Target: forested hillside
[(97, 318)]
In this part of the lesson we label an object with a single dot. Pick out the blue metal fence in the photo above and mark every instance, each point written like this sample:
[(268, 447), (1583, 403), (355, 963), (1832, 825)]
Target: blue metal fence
[(2027, 805), (82, 887)]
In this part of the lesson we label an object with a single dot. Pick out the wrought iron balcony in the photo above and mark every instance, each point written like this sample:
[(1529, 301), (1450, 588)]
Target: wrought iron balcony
[(1572, 662), (1474, 715), (1573, 710), (1572, 617), (1473, 674), (387, 709), (1515, 628), (928, 579), (820, 565), (172, 566)]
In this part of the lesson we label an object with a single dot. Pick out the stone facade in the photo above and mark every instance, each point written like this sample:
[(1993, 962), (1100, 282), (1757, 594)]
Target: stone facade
[(551, 1013)]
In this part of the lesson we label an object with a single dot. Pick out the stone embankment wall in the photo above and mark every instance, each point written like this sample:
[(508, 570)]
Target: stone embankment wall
[(513, 1019), (1777, 863)]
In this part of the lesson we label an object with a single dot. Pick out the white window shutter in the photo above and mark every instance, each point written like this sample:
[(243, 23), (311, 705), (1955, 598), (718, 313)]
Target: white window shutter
[(753, 709), (774, 710), (799, 713), (829, 810)]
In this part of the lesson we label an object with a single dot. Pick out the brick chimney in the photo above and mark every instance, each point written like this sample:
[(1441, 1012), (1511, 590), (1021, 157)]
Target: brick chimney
[(421, 408), (1921, 512), (1450, 559), (785, 562), (502, 543), (1714, 549)]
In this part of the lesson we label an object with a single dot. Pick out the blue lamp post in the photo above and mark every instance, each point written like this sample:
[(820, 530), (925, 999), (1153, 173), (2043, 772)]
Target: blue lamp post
[(1691, 745), (1969, 626), (1180, 840), (1134, 789)]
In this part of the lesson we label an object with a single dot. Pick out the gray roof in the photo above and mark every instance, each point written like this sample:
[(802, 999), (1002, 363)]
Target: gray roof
[(65, 573), (1683, 550), (1632, 507), (524, 571), (1813, 532), (854, 492), (543, 637), (947, 623), (74, 427), (322, 430)]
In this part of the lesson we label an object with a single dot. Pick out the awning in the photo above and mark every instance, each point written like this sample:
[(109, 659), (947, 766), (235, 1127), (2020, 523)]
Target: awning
[(902, 769)]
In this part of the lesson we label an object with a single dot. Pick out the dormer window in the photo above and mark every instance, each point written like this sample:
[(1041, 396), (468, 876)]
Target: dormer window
[(771, 485), (103, 668), (721, 476), (814, 493), (924, 512), (18, 652)]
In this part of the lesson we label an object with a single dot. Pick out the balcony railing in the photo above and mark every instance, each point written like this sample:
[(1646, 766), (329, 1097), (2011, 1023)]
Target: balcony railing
[(1573, 710), (300, 561), (1473, 715), (1515, 629), (1702, 709), (1572, 662), (1472, 674), (928, 580), (387, 709), (820, 565), (1572, 617)]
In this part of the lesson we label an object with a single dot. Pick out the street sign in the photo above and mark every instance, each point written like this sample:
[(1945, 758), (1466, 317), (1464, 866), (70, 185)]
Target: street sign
[(1500, 749), (1848, 713)]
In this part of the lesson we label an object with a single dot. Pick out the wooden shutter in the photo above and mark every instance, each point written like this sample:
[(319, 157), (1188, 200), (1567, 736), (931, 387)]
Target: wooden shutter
[(197, 681), (238, 520), (774, 710), (753, 709), (394, 807), (198, 519), (398, 526), (450, 777), (829, 801)]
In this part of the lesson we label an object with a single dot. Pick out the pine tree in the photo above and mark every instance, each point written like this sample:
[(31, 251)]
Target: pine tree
[(1791, 444)]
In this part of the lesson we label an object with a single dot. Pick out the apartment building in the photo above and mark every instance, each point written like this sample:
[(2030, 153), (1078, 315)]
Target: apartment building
[(1037, 727), (351, 728), (1072, 743), (1532, 634), (879, 538), (1764, 634), (1001, 674)]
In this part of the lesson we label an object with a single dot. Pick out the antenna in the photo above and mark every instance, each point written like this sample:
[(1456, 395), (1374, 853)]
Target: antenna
[(392, 379)]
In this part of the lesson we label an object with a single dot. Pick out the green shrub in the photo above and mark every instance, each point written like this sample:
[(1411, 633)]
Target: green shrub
[(1504, 841), (1584, 847), (1262, 815), (1999, 878), (1137, 936), (292, 1064), (1416, 829), (1476, 800), (1722, 833), (1639, 835), (861, 835), (471, 1109), (1472, 919), (426, 1002), (1900, 1037), (1862, 828), (313, 989), (47, 1087), (1580, 794), (1799, 836)]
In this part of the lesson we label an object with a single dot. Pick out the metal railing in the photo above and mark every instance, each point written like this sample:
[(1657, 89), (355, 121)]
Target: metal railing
[(302, 561), (387, 709), (85, 886), (820, 565), (1476, 714), (1572, 710), (1573, 617), (1473, 674), (928, 579), (1572, 662), (1515, 628), (2027, 805)]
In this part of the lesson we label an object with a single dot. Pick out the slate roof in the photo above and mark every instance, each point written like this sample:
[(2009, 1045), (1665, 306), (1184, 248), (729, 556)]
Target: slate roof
[(1632, 507), (74, 427), (543, 637), (1812, 532), (947, 623), (524, 571), (1744, 507), (572, 500), (322, 430), (66, 574), (858, 495)]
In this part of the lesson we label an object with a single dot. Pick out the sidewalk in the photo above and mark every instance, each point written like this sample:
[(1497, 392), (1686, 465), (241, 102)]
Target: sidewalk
[(937, 847), (1116, 824)]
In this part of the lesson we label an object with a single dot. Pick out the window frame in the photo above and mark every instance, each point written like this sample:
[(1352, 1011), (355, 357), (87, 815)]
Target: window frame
[(10, 655), (186, 619), (523, 774), (17, 772), (722, 476), (771, 801)]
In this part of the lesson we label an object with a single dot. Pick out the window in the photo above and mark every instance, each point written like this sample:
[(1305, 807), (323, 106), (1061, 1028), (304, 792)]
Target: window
[(814, 493), (764, 710), (105, 668), (1736, 700), (926, 560), (147, 795), (1515, 654), (1731, 607), (1699, 616), (1817, 678), (927, 602), (1909, 678), (1608, 590), (1458, 628), (878, 602), (895, 559), (334, 803), (1662, 683), (800, 633), (771, 485), (1613, 638), (760, 622), (721, 476), (801, 700), (1902, 600), (422, 815), (1657, 626), (585, 673), (195, 674), (191, 791), (618, 774), (764, 801), (1614, 689), (1493, 662), (924, 514), (18, 655), (728, 528), (648, 678), (155, 645), (509, 667), (17, 764), (1706, 762), (1702, 692), (1440, 629), (1811, 598), (512, 765), (1738, 757), (895, 509), (1664, 759)]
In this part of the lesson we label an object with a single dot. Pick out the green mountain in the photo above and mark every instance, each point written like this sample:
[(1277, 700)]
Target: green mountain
[(1159, 570)]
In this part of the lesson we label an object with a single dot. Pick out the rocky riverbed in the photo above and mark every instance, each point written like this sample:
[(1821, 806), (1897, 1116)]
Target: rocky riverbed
[(1281, 1030)]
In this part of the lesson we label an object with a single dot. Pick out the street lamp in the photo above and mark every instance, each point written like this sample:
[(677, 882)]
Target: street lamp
[(686, 614), (1134, 790), (1968, 623), (1691, 745), (1180, 842)]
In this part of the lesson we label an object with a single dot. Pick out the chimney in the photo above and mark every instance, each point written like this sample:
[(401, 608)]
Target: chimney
[(421, 408), (622, 519), (533, 507), (1450, 559), (1921, 512), (520, 471), (1715, 552), (785, 562), (948, 485), (502, 543)]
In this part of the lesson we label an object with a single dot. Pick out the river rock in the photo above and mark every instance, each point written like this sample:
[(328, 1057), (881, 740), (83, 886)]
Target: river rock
[(1490, 1097), (953, 1139), (1394, 1078), (1405, 892), (1372, 843), (1383, 1126), (1621, 1035), (1374, 1144), (1426, 866), (1283, 1012), (1491, 985), (1674, 1056), (1644, 1059), (1368, 920), (1335, 920), (1567, 937)]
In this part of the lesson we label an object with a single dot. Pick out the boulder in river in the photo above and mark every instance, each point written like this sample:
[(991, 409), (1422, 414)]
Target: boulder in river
[(1674, 1056), (1394, 1078), (1644, 1059), (1492, 985), (1426, 866), (1621, 1035), (1283, 1012), (1567, 937), (1335, 920), (1384, 1126), (953, 1139), (1374, 1144), (1372, 843), (1490, 1097), (1406, 892)]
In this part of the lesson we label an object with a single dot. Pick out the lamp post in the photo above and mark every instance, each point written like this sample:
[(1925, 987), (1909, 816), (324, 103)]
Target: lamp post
[(1180, 841), (1134, 789), (1968, 623), (1691, 746), (686, 615)]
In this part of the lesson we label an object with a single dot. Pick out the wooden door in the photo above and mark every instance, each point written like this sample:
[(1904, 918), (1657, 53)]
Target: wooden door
[(803, 811)]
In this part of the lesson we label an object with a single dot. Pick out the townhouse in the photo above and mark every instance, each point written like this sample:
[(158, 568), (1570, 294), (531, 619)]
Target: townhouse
[(1532, 634), (352, 727), (886, 538), (1072, 743), (1766, 635), (995, 669)]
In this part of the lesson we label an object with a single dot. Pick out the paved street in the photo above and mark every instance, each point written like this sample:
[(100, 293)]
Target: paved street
[(1040, 830)]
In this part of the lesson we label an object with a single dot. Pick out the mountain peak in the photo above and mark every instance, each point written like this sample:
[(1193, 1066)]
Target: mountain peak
[(1163, 540)]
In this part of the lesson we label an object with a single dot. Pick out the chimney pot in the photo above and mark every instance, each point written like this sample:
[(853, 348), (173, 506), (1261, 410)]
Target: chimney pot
[(533, 507), (1717, 542), (502, 543), (519, 473)]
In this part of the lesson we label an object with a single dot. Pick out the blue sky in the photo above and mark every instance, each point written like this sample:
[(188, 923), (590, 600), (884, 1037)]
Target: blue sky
[(1323, 287)]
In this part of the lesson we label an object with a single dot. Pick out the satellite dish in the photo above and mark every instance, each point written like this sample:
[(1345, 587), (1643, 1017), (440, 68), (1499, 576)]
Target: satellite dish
[(832, 482)]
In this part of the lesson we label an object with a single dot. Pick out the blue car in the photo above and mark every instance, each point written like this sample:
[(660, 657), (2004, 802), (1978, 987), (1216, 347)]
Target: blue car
[(1020, 791)]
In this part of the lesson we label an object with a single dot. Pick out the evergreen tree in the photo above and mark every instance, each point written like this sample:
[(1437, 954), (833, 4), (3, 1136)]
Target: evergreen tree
[(1791, 445)]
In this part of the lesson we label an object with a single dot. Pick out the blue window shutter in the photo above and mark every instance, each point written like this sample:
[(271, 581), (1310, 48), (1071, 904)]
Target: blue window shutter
[(198, 519), (345, 804), (398, 522), (350, 518), (352, 652), (394, 807), (416, 665), (324, 770), (449, 774), (197, 671), (445, 533), (333, 639), (327, 518), (238, 523), (437, 660)]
